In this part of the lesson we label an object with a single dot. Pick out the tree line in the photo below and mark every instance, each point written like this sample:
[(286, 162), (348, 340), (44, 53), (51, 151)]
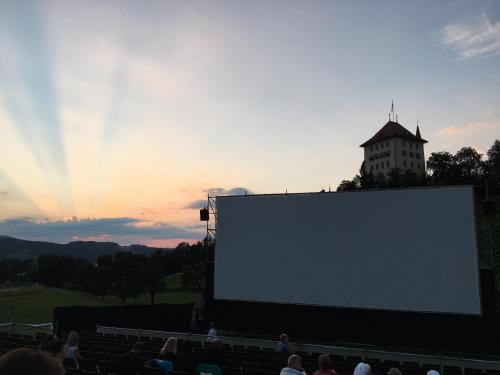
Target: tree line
[(466, 166), (123, 274)]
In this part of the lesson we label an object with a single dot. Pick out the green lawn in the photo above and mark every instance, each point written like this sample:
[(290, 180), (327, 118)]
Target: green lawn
[(36, 303)]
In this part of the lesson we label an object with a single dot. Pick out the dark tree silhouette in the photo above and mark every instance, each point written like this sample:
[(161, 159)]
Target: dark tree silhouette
[(410, 178), (104, 274), (380, 181), (441, 164), (347, 185), (394, 178), (153, 274), (493, 165), (469, 164)]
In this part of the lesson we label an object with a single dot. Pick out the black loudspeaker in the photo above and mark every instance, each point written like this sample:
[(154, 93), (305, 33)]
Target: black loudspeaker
[(204, 216), (489, 207)]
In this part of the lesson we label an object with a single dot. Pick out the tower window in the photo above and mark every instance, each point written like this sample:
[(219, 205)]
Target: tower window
[(376, 166), (411, 144), (412, 154), (376, 146), (418, 165), (403, 152), (371, 148), (404, 163), (387, 164), (417, 155), (371, 167), (387, 144), (412, 164), (404, 143)]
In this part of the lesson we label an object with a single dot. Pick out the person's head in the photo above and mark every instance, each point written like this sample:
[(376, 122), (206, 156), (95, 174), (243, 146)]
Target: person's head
[(295, 362), (284, 338), (324, 362), (187, 347), (56, 348), (29, 362), (138, 347), (211, 325), (394, 371), (362, 369), (433, 372), (72, 339)]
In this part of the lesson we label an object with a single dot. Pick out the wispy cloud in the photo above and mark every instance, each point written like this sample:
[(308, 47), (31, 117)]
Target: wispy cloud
[(123, 230), (470, 128), (199, 203), (473, 40), (222, 191)]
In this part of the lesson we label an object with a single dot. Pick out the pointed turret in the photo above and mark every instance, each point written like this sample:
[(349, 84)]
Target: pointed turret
[(418, 133)]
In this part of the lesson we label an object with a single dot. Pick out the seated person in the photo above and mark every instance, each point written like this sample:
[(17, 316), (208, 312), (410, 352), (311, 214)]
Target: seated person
[(213, 354), (325, 366), (283, 345), (72, 352), (212, 332), (169, 350), (30, 362), (130, 363), (187, 360), (362, 369), (294, 366)]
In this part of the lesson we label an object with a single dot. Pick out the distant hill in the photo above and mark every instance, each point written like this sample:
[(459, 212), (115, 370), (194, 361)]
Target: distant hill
[(16, 248)]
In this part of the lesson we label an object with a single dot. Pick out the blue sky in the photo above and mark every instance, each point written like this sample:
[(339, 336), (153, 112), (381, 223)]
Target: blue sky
[(127, 112)]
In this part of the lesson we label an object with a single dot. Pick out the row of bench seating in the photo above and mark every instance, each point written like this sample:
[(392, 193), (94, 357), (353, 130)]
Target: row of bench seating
[(100, 354)]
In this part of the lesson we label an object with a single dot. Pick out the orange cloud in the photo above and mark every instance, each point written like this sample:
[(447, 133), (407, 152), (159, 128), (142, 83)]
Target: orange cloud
[(474, 127)]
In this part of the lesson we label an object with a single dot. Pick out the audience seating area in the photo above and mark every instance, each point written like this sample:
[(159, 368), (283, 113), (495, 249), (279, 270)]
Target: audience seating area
[(100, 353)]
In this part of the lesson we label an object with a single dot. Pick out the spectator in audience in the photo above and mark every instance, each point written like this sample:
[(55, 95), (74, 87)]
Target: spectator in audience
[(294, 366), (54, 347), (169, 350), (71, 347), (362, 369), (130, 363), (29, 362), (212, 332), (325, 366), (187, 360), (284, 344), (214, 355), (394, 371)]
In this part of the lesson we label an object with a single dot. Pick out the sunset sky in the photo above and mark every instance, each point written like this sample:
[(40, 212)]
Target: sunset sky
[(118, 117)]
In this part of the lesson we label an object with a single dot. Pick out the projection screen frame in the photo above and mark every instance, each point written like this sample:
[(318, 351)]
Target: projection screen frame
[(333, 306)]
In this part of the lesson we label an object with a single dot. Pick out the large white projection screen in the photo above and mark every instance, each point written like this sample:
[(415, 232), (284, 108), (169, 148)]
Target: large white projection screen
[(410, 250)]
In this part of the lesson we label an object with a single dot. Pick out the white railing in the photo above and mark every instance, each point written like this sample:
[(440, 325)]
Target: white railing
[(366, 354), (26, 329)]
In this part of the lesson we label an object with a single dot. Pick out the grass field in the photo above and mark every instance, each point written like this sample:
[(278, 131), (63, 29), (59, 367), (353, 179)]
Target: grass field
[(35, 303)]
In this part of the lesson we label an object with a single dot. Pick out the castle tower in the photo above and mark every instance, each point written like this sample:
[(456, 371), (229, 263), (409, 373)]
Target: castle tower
[(394, 146)]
